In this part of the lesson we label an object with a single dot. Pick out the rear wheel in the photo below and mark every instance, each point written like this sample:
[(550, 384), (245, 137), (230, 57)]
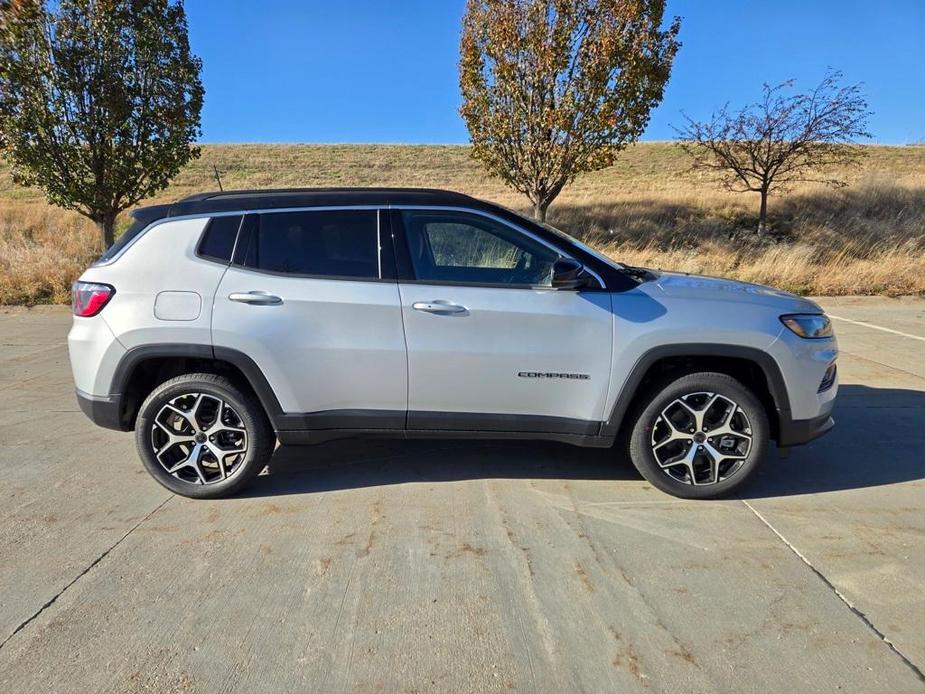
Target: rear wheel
[(699, 436), (202, 437)]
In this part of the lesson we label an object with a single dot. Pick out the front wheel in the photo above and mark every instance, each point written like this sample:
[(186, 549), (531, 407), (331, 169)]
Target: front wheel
[(202, 437), (699, 436)]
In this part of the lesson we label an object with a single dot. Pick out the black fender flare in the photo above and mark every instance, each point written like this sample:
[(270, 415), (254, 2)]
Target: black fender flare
[(243, 363), (768, 365)]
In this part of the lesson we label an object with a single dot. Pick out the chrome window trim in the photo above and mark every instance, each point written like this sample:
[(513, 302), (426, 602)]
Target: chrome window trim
[(331, 208), (213, 259), (500, 220), (379, 240), (165, 220), (311, 276), (229, 213)]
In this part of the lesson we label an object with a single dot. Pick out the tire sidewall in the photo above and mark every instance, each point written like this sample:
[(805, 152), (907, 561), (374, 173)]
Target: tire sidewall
[(258, 447), (660, 397)]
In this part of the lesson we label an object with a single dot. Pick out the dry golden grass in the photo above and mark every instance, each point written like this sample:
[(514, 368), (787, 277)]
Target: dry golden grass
[(868, 238), (42, 251)]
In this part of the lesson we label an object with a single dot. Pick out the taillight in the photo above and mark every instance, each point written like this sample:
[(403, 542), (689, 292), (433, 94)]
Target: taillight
[(89, 298)]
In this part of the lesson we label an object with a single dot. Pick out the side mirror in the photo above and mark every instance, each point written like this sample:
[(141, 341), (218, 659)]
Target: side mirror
[(569, 274)]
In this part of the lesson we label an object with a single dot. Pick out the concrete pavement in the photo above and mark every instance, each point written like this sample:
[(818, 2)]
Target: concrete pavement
[(479, 566)]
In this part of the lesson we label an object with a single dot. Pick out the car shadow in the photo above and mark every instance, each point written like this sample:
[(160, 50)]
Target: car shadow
[(878, 440), (863, 450), (357, 463)]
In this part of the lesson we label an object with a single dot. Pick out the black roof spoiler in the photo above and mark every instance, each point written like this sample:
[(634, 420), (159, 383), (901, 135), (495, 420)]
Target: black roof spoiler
[(150, 213)]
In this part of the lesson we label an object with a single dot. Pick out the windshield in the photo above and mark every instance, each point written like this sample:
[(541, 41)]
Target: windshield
[(571, 240), (583, 246)]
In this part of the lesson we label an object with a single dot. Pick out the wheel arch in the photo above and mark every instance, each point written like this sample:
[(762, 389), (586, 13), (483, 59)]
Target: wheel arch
[(754, 367), (143, 368)]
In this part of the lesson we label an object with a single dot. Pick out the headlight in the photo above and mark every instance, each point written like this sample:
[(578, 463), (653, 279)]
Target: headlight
[(809, 325)]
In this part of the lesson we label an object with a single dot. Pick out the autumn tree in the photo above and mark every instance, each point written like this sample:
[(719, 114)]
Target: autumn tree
[(782, 139), (99, 100), (553, 88)]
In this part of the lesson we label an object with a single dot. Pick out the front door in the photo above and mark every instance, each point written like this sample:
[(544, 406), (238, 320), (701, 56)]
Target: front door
[(491, 345)]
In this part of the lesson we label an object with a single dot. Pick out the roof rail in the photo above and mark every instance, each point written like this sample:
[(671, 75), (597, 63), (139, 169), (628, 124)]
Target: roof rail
[(281, 198), (260, 192)]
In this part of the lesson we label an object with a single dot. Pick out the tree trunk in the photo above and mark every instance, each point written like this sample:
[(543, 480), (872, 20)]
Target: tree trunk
[(107, 229), (539, 210), (763, 214)]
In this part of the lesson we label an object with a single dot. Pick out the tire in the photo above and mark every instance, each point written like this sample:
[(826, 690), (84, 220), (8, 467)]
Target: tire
[(206, 417), (670, 450)]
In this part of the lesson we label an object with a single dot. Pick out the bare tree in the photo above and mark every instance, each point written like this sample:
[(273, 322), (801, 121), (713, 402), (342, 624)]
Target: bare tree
[(782, 139), (552, 88)]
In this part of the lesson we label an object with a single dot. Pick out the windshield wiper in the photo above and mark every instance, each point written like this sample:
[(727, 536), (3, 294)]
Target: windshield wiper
[(639, 273)]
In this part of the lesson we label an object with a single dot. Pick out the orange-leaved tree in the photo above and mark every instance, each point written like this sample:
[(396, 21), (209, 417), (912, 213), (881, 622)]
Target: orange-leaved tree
[(553, 88)]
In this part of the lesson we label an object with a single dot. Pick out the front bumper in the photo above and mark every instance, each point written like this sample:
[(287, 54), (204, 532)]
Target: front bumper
[(103, 410), (806, 413), (796, 432)]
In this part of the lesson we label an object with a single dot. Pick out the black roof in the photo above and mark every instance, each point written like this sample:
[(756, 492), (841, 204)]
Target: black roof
[(243, 200), (232, 200)]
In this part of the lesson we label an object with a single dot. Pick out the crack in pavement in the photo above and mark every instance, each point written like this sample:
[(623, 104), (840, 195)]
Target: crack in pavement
[(83, 573), (831, 586)]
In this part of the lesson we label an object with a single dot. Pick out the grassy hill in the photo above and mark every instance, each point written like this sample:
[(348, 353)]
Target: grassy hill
[(648, 209)]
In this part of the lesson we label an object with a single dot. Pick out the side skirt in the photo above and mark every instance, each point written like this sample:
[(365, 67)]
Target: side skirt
[(311, 437), (318, 427)]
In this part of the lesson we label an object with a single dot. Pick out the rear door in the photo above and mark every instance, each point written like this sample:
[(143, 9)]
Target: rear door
[(491, 345), (308, 300)]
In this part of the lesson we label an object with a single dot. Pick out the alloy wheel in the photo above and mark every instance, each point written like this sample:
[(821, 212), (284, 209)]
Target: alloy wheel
[(701, 438), (199, 438)]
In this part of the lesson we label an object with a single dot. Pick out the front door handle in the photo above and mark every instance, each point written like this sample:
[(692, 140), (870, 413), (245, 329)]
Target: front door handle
[(439, 306), (255, 298)]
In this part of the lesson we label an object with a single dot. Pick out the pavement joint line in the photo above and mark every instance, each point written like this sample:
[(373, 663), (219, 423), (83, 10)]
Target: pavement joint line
[(878, 327), (83, 573), (857, 613)]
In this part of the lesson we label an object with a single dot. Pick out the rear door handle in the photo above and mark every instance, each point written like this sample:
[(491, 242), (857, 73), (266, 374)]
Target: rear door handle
[(439, 306), (256, 298)]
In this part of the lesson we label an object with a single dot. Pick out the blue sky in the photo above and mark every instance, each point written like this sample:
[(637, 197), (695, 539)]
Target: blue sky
[(385, 70)]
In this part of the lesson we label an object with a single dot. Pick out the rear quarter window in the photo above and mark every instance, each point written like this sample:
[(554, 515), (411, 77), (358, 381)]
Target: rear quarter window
[(218, 240)]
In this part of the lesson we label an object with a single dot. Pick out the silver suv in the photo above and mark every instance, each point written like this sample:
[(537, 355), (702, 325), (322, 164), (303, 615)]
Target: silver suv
[(223, 323)]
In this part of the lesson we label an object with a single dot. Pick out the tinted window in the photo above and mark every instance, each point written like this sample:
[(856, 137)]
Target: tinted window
[(341, 243), (469, 248), (134, 229), (218, 241)]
